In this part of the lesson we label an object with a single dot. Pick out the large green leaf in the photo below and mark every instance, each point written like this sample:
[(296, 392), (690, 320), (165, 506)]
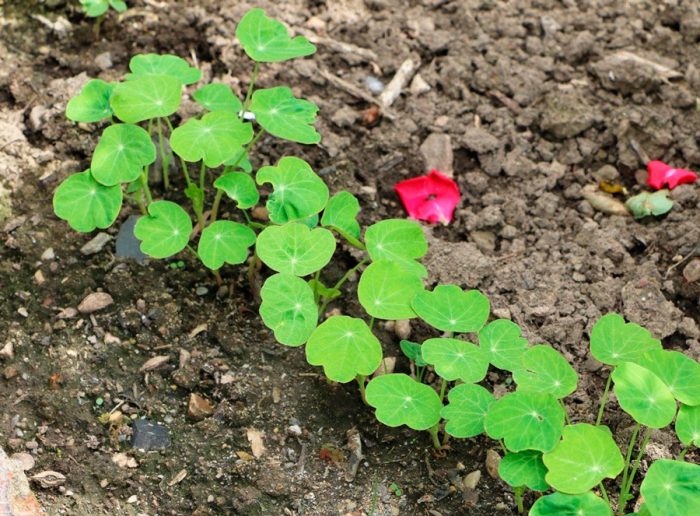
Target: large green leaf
[(385, 291), (468, 406), (614, 342), (121, 154), (288, 308), (456, 359), (502, 342), (544, 369), (524, 468), (341, 214), (688, 425), (165, 231), (680, 373), (671, 487), (295, 249), (281, 114), (345, 347), (224, 241), (240, 187), (449, 308), (558, 504), (266, 40), (400, 400), (86, 204), (218, 97), (398, 240), (92, 104), (155, 64), (643, 395), (146, 97)]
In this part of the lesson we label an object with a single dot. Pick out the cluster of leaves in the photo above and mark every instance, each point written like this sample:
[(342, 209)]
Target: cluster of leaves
[(97, 8)]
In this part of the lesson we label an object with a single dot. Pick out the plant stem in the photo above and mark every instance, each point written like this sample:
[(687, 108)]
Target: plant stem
[(202, 176), (141, 203), (217, 277), (503, 446), (434, 434), (317, 278), (604, 493), (681, 455), (604, 399), (628, 458), (144, 185), (185, 172), (519, 498), (341, 282), (361, 382), (626, 487), (191, 250), (251, 87), (566, 414), (443, 387), (371, 323), (165, 160)]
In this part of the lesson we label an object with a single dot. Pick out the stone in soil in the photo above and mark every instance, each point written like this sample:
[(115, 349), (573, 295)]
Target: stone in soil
[(128, 246), (16, 498), (149, 436), (95, 302)]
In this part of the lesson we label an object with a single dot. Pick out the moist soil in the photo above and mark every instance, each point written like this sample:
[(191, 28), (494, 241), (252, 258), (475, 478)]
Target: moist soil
[(537, 104)]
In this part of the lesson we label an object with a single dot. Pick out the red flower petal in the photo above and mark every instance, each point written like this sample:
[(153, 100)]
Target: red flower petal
[(660, 173), (432, 198)]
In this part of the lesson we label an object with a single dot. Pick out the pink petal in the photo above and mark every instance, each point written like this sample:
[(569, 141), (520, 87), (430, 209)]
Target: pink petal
[(432, 198), (660, 173)]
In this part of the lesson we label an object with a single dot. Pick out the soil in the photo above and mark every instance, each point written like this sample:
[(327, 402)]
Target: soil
[(537, 103)]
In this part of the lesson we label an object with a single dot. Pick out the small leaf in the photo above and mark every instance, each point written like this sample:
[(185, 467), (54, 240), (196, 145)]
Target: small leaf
[(524, 468), (456, 359), (412, 350), (469, 404), (172, 66), (400, 400), (118, 5), (216, 138), (544, 369), (385, 291), (121, 154), (196, 195), (240, 187), (288, 308), (688, 425), (240, 161), (295, 249), (266, 40), (285, 116), (94, 8), (645, 204), (672, 487), (165, 231), (558, 504), (614, 342), (502, 342), (92, 104), (398, 240), (585, 456), (218, 97), (526, 421), (224, 241), (680, 373), (146, 97), (643, 395), (86, 204), (341, 214), (322, 290), (449, 308), (345, 347), (298, 192)]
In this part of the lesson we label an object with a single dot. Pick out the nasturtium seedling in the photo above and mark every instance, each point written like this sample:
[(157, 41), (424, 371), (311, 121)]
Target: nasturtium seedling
[(449, 308), (341, 214), (400, 400), (524, 468), (298, 192), (281, 114), (680, 373), (613, 341), (585, 456), (266, 40), (121, 154), (95, 8), (456, 359), (385, 291), (643, 395), (146, 97), (672, 487), (526, 421), (501, 340), (688, 425), (288, 308), (544, 369), (223, 242), (345, 347), (165, 231), (646, 203), (218, 97), (467, 409), (86, 204), (295, 249), (559, 504), (400, 241), (240, 187), (92, 104), (412, 350), (157, 64)]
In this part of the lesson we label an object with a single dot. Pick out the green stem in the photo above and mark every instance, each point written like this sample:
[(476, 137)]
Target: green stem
[(434, 435), (566, 414), (371, 323), (624, 493), (165, 160), (604, 493), (185, 172), (144, 185), (251, 87), (681, 455), (215, 207), (141, 202), (628, 458), (202, 176), (503, 446), (341, 282), (317, 278), (191, 250), (361, 382), (604, 399), (519, 498), (443, 388)]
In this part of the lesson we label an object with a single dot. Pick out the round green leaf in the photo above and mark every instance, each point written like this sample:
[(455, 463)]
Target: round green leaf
[(583, 458), (298, 192), (295, 249), (449, 308), (288, 308), (86, 204), (341, 213), (502, 342), (526, 421), (680, 373), (400, 400), (643, 395), (646, 203), (614, 342), (558, 504), (688, 425), (544, 369), (224, 241), (240, 187), (146, 97), (456, 359), (92, 104), (165, 231), (398, 240), (524, 468), (266, 40), (218, 97), (121, 154), (672, 487), (468, 406), (172, 66), (281, 114), (216, 138), (345, 347), (385, 291)]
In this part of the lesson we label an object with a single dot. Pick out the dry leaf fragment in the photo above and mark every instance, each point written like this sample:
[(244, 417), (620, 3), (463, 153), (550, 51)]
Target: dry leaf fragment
[(154, 363), (602, 201), (178, 478), (47, 479), (255, 437)]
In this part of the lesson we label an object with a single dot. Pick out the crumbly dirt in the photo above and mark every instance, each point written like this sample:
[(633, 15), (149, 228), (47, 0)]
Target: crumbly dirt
[(537, 101)]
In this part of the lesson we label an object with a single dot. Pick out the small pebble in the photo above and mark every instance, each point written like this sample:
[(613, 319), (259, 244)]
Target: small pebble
[(374, 85), (691, 272), (96, 245), (48, 254), (94, 302), (201, 291)]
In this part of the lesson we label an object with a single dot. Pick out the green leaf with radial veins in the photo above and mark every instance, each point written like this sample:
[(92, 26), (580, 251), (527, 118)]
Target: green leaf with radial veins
[(559, 504), (154, 64), (385, 291), (281, 114), (613, 341), (398, 240), (86, 204), (288, 308), (218, 97), (449, 308), (146, 97), (502, 342), (341, 213), (469, 404), (456, 359), (266, 40), (298, 192), (345, 347), (688, 425), (224, 241), (165, 231), (672, 487), (524, 468), (121, 154), (544, 369), (92, 104), (295, 249), (643, 395), (240, 187), (216, 138), (680, 373), (400, 400)]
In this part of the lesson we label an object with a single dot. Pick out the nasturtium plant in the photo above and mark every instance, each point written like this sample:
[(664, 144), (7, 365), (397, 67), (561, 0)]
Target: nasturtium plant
[(288, 308), (449, 308), (95, 8), (385, 290), (266, 40), (400, 400), (643, 395), (688, 425), (169, 65), (501, 340), (400, 241), (672, 487), (86, 204), (613, 341), (165, 231), (92, 104), (121, 154), (455, 359), (524, 468), (225, 241), (680, 373), (544, 369), (559, 504), (341, 214), (467, 408), (146, 97), (295, 249), (218, 97), (240, 187), (281, 114)]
